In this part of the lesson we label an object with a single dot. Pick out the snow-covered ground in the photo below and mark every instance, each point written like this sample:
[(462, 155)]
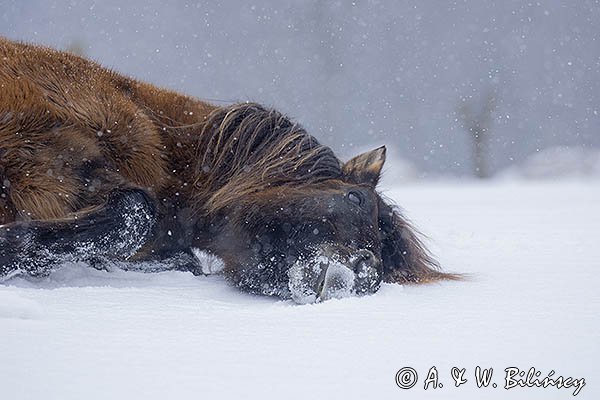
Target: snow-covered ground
[(557, 162), (532, 300)]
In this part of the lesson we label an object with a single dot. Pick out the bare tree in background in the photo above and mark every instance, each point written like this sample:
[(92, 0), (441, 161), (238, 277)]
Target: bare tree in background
[(477, 120)]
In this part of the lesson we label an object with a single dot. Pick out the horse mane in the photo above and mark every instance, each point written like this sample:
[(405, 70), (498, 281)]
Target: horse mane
[(246, 148)]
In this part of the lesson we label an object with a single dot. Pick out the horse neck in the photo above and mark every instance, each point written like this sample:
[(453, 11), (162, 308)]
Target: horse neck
[(180, 120)]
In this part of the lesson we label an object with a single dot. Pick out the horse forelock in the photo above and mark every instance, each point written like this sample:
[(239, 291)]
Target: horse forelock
[(246, 148)]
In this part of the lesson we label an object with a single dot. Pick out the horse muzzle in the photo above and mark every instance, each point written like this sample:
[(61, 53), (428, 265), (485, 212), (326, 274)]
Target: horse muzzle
[(332, 274)]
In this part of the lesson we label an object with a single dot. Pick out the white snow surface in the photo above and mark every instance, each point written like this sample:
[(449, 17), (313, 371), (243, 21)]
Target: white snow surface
[(532, 300), (557, 162)]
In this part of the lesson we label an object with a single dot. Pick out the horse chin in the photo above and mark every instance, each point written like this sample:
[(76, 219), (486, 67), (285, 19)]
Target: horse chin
[(328, 275)]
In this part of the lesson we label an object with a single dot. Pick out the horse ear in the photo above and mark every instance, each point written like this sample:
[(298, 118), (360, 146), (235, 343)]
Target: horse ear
[(366, 168)]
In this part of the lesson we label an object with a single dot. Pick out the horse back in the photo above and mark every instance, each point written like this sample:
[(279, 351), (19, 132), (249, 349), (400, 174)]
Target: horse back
[(72, 131)]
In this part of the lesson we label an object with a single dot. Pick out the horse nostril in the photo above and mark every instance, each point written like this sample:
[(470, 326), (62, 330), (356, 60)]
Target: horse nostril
[(363, 257), (367, 276)]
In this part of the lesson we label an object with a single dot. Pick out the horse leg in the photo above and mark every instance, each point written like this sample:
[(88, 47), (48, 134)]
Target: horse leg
[(114, 231)]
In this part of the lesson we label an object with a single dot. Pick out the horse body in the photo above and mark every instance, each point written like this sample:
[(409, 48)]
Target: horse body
[(65, 120), (96, 166)]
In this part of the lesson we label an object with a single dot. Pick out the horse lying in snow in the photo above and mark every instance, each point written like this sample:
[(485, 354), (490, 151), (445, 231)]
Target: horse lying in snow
[(97, 167)]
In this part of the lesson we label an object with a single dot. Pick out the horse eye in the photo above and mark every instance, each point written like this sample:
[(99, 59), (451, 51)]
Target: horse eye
[(355, 198)]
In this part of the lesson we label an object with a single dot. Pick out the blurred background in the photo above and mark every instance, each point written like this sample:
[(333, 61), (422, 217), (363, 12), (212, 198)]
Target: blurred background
[(467, 89)]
